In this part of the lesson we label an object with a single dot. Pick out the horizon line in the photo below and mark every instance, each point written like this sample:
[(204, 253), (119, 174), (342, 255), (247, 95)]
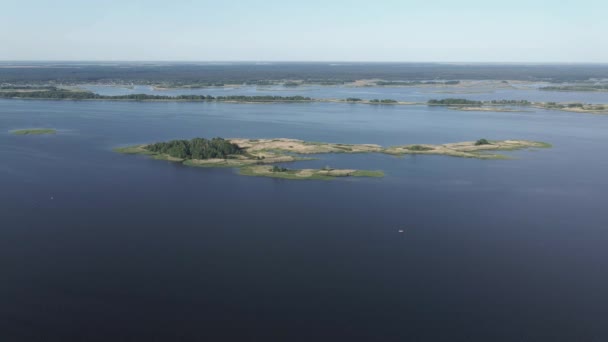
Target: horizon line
[(298, 61)]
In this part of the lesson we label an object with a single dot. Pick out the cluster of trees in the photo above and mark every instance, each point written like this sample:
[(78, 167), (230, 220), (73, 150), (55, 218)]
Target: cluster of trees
[(419, 148), (50, 94), (26, 87), (326, 81), (579, 87), (197, 148), (564, 105), (415, 83), (278, 169), (260, 82), (265, 98), (482, 142), (511, 102), (385, 101), (454, 102), (353, 99), (201, 85), (56, 93), (576, 105)]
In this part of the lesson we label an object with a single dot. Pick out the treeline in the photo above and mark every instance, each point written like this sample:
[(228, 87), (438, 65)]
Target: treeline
[(86, 95), (416, 83), (575, 105), (454, 102), (510, 102), (265, 98), (200, 85), (197, 148), (465, 102), (50, 94), (564, 105), (580, 87), (323, 81), (238, 73), (26, 87), (383, 101)]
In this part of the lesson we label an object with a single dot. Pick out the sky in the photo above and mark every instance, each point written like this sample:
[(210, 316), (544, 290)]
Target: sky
[(313, 30)]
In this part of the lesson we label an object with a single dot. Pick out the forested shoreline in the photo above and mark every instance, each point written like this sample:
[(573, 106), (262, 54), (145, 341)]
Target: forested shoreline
[(64, 94)]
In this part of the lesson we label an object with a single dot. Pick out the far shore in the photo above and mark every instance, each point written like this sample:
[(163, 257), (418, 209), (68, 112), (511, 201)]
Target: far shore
[(497, 105)]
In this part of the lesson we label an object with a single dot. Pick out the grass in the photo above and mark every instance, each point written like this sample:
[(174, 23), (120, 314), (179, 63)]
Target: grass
[(291, 174), (419, 148), (139, 149), (367, 173), (167, 158), (34, 131), (294, 174)]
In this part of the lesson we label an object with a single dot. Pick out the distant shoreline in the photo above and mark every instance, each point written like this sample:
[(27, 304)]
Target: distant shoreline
[(61, 94)]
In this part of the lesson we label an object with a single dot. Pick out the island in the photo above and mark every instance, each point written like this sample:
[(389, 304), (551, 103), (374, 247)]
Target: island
[(577, 87), (517, 105), (34, 131), (57, 93), (258, 157)]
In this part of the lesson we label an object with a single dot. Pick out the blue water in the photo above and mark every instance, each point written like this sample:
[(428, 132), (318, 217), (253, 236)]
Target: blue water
[(98, 246)]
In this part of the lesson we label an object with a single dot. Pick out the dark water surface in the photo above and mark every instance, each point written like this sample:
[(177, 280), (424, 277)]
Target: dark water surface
[(98, 246)]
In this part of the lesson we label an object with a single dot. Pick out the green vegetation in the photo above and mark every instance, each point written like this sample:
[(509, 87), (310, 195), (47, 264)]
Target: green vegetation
[(454, 102), (34, 131), (194, 85), (177, 74), (578, 87), (575, 107), (509, 102), (279, 169), (197, 148), (260, 82), (416, 83), (54, 93), (368, 173), (384, 101), (306, 174), (328, 81), (139, 149), (63, 94), (419, 148), (26, 87), (258, 157), (483, 106)]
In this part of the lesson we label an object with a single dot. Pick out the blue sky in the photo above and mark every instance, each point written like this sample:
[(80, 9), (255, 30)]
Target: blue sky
[(312, 30)]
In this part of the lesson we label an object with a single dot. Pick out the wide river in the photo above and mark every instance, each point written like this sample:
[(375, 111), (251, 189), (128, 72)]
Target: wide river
[(99, 246)]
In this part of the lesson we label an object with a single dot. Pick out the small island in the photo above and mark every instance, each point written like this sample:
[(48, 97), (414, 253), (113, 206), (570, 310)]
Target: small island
[(258, 157), (577, 87), (34, 131), (517, 105)]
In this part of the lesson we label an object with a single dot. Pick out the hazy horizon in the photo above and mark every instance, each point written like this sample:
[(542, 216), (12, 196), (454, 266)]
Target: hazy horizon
[(227, 62), (470, 31)]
